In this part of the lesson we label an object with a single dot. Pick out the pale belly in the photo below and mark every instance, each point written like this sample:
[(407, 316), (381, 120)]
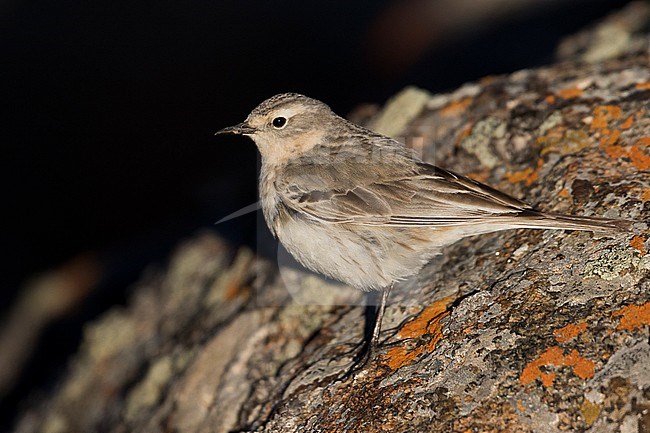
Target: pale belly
[(367, 258)]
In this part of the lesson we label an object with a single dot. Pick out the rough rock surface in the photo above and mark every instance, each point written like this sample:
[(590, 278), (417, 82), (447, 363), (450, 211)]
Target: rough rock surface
[(521, 331)]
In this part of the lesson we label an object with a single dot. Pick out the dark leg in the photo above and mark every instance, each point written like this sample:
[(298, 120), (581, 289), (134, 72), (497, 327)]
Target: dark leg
[(373, 318)]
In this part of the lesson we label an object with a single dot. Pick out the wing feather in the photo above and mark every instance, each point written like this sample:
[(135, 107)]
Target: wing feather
[(401, 191)]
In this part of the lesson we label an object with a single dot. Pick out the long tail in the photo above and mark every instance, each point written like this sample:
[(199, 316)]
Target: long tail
[(540, 220)]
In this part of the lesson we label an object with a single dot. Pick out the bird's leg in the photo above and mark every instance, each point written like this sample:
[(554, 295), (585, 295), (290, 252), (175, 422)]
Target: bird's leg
[(373, 318), (379, 316)]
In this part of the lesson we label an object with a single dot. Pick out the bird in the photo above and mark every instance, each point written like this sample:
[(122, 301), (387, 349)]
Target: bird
[(363, 209)]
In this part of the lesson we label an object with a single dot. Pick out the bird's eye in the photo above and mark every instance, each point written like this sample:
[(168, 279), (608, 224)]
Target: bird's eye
[(279, 122)]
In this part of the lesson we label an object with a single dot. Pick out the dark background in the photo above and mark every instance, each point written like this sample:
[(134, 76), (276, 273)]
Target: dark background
[(109, 110)]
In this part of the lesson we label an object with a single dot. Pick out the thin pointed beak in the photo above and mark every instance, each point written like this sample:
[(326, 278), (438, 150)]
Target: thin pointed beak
[(240, 129)]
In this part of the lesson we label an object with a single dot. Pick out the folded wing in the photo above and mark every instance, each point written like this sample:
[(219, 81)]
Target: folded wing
[(399, 192)]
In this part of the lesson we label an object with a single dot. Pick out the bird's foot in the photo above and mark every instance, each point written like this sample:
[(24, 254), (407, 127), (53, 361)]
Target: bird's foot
[(365, 354)]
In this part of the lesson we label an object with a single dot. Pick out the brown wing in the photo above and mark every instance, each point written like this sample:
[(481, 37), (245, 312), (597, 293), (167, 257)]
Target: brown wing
[(396, 191)]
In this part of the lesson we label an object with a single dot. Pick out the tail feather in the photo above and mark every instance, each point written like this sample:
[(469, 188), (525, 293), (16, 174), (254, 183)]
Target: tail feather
[(540, 220)]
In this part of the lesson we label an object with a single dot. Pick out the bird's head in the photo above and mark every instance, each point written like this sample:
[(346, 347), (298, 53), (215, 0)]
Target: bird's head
[(286, 125)]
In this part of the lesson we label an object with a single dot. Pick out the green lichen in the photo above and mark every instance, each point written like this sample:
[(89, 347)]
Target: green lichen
[(478, 142), (611, 263)]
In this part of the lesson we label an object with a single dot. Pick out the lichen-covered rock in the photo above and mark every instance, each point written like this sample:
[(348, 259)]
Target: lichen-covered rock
[(520, 331)]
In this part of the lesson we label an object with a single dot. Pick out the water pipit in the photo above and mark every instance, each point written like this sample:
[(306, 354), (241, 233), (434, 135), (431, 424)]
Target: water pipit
[(363, 209)]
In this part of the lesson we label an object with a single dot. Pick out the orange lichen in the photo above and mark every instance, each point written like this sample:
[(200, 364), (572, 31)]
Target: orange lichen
[(603, 114), (639, 158), (599, 122), (643, 86), (519, 176), (550, 99), (610, 137), (645, 194), (520, 406), (426, 323), (554, 356), (638, 243), (564, 193), (481, 176), (616, 151), (582, 367), (547, 378), (569, 93), (628, 123), (529, 175), (420, 325), (398, 357), (456, 108), (633, 317), (569, 332)]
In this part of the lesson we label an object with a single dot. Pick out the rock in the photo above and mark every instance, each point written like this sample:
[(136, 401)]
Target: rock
[(524, 331)]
